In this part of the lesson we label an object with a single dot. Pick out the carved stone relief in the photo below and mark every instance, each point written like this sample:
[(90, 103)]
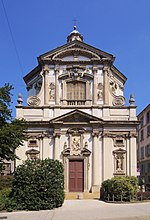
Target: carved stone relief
[(75, 73), (119, 101), (100, 91), (113, 86), (33, 101), (76, 145), (52, 91)]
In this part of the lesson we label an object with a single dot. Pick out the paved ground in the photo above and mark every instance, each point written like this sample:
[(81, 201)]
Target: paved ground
[(86, 210)]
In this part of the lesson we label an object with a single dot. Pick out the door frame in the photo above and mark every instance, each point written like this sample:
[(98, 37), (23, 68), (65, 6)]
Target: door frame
[(85, 168)]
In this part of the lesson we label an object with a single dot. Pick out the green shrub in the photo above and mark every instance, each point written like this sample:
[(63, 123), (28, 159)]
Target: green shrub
[(38, 184), (6, 182), (4, 198), (119, 188)]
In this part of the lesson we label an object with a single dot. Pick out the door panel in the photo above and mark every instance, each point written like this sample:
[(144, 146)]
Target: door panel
[(76, 176)]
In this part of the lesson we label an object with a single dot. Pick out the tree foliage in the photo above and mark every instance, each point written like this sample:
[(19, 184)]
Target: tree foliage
[(12, 131), (38, 184)]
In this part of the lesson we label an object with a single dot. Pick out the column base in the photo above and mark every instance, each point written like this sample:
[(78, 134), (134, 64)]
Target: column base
[(95, 188)]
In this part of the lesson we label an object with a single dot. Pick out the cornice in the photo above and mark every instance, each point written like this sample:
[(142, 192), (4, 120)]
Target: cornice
[(32, 73), (118, 73)]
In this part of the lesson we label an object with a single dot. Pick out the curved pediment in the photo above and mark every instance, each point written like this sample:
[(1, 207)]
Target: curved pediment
[(76, 51)]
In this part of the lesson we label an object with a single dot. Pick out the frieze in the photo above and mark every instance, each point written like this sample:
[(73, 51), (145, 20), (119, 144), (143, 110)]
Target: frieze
[(123, 135), (33, 101)]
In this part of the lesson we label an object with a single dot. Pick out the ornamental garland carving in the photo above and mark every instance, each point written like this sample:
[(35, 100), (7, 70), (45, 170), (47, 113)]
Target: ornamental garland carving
[(75, 73), (33, 101)]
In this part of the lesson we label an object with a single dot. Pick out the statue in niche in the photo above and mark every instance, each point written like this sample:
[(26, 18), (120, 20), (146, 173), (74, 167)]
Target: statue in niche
[(119, 163), (76, 146), (100, 91), (52, 91)]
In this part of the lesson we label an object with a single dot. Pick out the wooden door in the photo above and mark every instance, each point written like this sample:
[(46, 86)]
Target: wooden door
[(76, 175)]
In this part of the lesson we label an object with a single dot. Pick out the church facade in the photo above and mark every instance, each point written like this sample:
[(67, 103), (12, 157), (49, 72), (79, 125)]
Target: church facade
[(76, 114)]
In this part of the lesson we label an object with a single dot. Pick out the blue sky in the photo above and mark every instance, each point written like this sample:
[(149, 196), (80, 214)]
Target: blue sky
[(119, 27)]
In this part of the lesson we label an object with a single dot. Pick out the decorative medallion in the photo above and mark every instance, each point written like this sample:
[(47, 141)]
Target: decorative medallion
[(119, 101), (33, 101)]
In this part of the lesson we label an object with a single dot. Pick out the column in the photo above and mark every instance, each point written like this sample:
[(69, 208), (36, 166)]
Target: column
[(106, 86), (56, 86), (95, 164), (46, 90), (95, 85), (56, 146)]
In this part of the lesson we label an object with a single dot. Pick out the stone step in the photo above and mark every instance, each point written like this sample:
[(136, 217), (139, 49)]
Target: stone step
[(80, 195)]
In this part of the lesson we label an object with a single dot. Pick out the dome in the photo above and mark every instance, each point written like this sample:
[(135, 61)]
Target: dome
[(74, 35)]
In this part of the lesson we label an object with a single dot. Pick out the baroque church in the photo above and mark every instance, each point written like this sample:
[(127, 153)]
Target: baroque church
[(76, 114)]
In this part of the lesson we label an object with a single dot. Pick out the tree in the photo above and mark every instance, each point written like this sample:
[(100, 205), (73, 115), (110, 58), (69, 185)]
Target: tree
[(12, 131)]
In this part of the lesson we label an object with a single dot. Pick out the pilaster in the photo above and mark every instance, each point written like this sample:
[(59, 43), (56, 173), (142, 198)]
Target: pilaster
[(95, 163), (106, 86), (45, 74), (56, 86), (56, 145), (95, 85)]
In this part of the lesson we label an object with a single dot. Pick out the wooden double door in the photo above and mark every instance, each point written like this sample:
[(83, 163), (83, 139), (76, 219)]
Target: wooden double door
[(76, 176)]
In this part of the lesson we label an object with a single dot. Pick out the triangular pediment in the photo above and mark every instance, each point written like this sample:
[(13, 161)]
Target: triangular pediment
[(76, 117), (74, 48)]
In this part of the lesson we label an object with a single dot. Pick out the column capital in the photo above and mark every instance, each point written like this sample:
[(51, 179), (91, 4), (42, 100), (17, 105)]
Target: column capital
[(45, 69), (95, 68), (95, 133), (106, 68), (57, 134)]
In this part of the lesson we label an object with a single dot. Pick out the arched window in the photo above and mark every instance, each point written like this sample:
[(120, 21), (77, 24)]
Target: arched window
[(76, 91)]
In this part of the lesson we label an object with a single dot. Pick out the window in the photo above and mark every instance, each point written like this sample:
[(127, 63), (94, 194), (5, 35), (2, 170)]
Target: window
[(147, 150), (142, 168), (76, 91), (142, 152), (148, 168), (119, 142), (142, 135), (141, 122), (148, 130), (148, 117), (32, 143)]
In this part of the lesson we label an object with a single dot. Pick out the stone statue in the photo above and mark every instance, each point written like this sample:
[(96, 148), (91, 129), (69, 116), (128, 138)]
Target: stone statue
[(76, 146)]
